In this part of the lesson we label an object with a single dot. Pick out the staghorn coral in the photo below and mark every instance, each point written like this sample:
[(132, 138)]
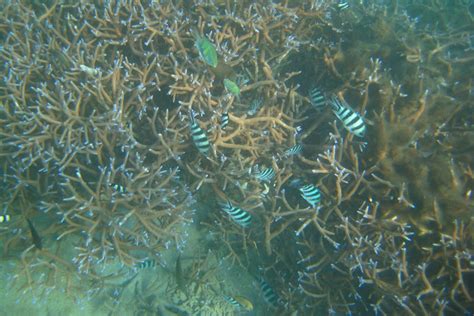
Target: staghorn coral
[(96, 147)]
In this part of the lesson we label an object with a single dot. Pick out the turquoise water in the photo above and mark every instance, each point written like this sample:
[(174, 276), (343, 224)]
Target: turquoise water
[(236, 158)]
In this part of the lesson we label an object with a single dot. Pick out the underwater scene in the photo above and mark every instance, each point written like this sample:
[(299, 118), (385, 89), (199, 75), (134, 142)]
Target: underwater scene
[(217, 157)]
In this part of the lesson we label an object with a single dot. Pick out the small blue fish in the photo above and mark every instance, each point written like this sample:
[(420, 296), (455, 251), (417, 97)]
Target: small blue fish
[(294, 150), (351, 120), (199, 136), (317, 99), (239, 216), (311, 194), (224, 120)]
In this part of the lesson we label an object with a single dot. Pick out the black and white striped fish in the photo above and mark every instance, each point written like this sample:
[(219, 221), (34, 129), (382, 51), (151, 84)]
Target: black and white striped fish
[(311, 194), (269, 294), (317, 98), (342, 5), (237, 214), (265, 175), (5, 218), (224, 120), (118, 188), (199, 136), (294, 150), (351, 120), (239, 302), (149, 263)]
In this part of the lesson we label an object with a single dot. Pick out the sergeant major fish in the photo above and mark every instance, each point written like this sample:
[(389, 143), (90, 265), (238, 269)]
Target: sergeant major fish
[(241, 217), (265, 175), (224, 120), (311, 194), (199, 136), (317, 98), (239, 302), (351, 120)]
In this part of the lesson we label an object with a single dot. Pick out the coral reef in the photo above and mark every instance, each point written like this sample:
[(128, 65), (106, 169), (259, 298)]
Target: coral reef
[(97, 99)]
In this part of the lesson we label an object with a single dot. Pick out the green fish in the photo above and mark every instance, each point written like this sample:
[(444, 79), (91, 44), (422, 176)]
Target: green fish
[(232, 87), (206, 50)]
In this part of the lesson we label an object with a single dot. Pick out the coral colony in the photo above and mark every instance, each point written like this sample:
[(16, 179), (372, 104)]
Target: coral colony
[(331, 143)]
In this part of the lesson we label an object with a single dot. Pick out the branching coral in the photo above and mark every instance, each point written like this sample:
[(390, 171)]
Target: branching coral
[(97, 149)]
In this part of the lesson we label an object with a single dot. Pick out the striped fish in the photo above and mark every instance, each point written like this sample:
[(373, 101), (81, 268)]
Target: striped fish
[(118, 188), (317, 98), (269, 294), (342, 5), (239, 302), (294, 150), (237, 214), (265, 175), (351, 120), (150, 263), (311, 194), (199, 137), (5, 218), (224, 120)]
